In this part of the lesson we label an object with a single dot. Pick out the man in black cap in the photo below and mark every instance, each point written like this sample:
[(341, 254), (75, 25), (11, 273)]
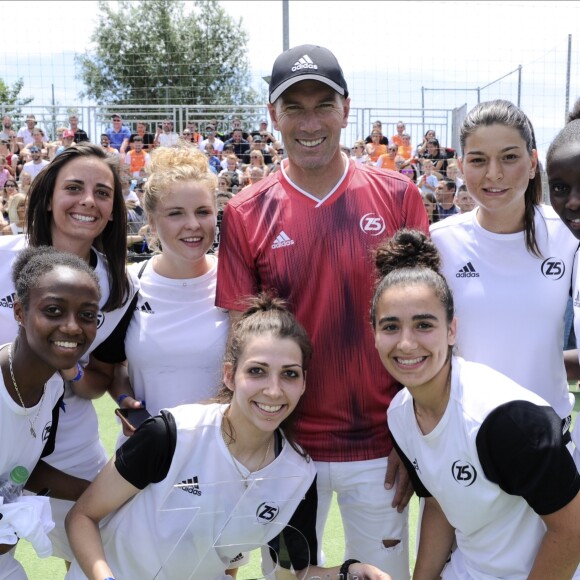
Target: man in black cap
[(308, 232)]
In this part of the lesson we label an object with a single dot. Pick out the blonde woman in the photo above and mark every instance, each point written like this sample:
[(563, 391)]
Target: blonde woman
[(16, 215)]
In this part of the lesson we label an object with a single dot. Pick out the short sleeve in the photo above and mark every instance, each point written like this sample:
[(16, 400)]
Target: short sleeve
[(521, 448), (146, 456), (236, 278)]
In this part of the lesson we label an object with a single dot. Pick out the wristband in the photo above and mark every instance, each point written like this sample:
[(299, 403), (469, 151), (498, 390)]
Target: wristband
[(120, 399), (80, 374), (343, 573)]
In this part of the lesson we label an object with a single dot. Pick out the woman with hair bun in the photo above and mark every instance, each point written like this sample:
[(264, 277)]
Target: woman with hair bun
[(204, 482), (509, 261), (480, 449)]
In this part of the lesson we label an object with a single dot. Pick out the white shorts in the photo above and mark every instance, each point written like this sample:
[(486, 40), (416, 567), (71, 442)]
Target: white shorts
[(367, 515)]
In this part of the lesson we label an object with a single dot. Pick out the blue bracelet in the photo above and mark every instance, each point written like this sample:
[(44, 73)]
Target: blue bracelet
[(120, 399), (80, 374)]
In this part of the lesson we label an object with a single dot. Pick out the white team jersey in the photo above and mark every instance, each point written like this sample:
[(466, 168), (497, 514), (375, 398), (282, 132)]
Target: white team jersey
[(510, 304), (18, 445), (78, 448), (176, 340), (497, 534), (192, 531)]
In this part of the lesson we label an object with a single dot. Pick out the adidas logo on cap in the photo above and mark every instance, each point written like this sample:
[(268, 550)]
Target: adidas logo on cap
[(304, 62), (468, 271), (282, 240)]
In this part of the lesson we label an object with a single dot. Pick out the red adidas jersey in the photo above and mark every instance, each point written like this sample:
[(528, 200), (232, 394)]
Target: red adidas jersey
[(318, 256)]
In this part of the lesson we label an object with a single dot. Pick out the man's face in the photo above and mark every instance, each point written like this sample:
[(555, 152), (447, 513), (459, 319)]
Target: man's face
[(30, 123), (237, 136), (117, 123), (73, 122), (167, 126), (192, 128), (7, 122), (35, 154), (138, 145), (105, 142), (310, 115), (442, 194), (237, 124), (400, 128)]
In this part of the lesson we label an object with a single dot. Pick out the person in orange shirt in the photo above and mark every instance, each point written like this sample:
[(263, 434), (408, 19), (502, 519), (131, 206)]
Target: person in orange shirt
[(375, 149), (398, 138), (388, 160), (136, 159)]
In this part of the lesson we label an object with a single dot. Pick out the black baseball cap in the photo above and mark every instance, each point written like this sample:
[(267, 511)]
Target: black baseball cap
[(306, 62)]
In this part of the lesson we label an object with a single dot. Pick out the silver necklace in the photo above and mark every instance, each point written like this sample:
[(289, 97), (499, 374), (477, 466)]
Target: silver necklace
[(235, 462), (32, 423)]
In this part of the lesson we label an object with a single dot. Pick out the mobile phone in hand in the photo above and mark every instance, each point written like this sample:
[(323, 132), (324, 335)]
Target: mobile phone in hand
[(132, 418)]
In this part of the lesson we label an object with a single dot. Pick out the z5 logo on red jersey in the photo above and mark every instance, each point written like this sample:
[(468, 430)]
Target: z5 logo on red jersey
[(373, 224)]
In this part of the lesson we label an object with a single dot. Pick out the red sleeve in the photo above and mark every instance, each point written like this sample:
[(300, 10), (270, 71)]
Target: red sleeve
[(236, 278), (414, 215)]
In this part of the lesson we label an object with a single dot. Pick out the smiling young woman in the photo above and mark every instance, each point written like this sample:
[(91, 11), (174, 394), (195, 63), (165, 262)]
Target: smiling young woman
[(56, 309), (245, 479), (481, 450), (509, 261)]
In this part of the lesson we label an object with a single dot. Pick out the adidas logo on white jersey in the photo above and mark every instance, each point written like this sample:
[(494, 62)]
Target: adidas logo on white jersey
[(304, 62), (190, 485), (8, 301), (282, 240), (146, 308), (468, 271)]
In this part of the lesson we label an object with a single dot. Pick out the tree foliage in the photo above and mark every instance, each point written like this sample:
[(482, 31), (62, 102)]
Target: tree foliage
[(10, 101), (154, 52)]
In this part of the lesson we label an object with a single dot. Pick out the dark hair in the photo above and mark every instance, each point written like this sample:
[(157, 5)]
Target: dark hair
[(569, 134), (265, 314), (410, 258), (436, 143), (113, 240), (450, 185), (504, 113), (32, 263), (430, 197)]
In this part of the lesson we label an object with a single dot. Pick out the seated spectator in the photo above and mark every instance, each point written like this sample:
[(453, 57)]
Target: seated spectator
[(118, 134), (11, 158), (387, 160), (232, 166), (37, 164), (224, 183), (377, 125), (24, 136), (398, 138), (54, 145), (136, 159), (253, 175), (7, 130), (267, 137), (428, 182), (147, 138), (68, 139), (240, 144), (187, 137), (406, 149), (213, 159), (211, 137), (166, 136), (375, 148), (192, 128), (237, 126), (437, 155), (106, 145), (422, 147), (445, 196), (16, 215), (258, 145), (430, 203), (464, 200), (5, 174), (359, 152), (405, 168), (39, 141), (24, 182), (222, 198), (453, 173), (9, 189), (80, 135), (256, 160)]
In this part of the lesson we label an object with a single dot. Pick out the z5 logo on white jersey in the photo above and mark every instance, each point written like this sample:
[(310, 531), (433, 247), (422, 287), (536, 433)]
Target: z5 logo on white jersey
[(463, 473), (373, 224), (267, 512), (553, 268)]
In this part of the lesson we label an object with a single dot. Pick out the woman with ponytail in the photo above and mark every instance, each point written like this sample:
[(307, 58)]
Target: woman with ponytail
[(509, 261), (479, 448), (207, 482)]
